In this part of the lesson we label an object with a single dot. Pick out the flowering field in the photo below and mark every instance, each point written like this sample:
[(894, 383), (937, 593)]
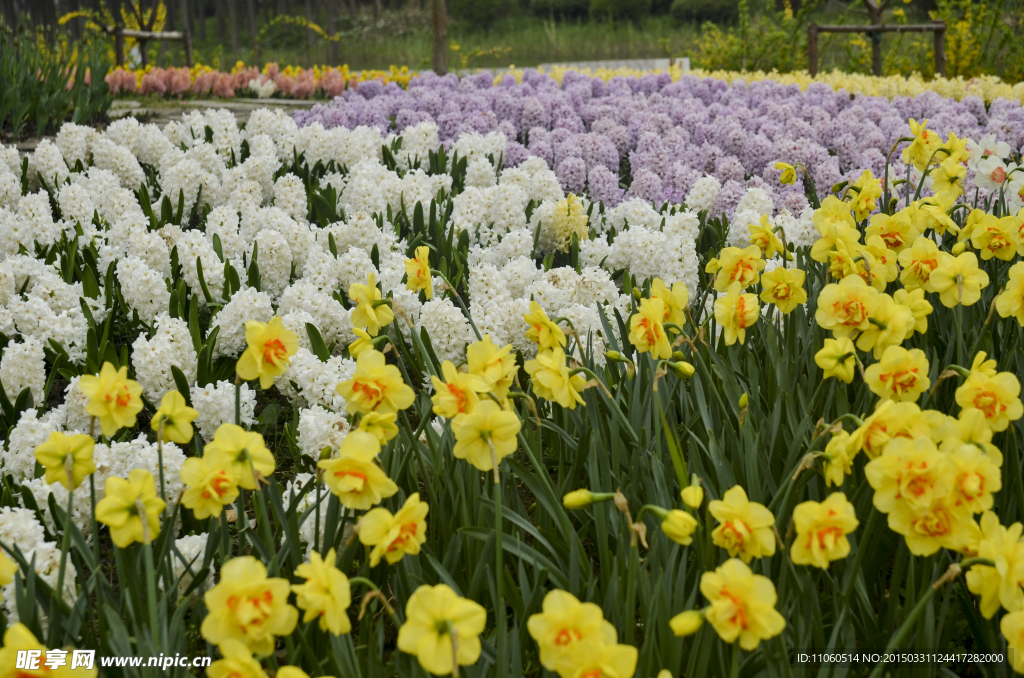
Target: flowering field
[(581, 377)]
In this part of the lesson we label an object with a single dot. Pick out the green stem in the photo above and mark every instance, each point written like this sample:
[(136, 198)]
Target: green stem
[(501, 617), (66, 543), (151, 591), (238, 401)]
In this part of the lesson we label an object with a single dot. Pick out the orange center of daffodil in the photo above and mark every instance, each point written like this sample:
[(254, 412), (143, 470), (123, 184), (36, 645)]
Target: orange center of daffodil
[(274, 351), (739, 614), (567, 636), (460, 396), (408, 532), (736, 535), (988, 402), (372, 392)]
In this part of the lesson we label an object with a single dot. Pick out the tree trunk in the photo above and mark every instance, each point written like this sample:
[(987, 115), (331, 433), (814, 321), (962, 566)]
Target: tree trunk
[(332, 28), (201, 18), (186, 18), (222, 28), (233, 18), (250, 15), (352, 10), (439, 23), (170, 25), (377, 11)]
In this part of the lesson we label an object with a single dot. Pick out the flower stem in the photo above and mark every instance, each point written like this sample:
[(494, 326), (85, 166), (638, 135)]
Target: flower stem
[(501, 660), (66, 542)]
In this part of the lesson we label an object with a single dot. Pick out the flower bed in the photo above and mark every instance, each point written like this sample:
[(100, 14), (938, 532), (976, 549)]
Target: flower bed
[(498, 376)]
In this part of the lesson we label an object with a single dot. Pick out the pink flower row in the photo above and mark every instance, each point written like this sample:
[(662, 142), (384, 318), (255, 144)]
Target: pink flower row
[(179, 81)]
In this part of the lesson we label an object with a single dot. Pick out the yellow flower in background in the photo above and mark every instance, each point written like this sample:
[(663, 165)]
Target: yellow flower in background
[(925, 144), (18, 638), (784, 287), (788, 175), (956, 149), (741, 604), (236, 662), (763, 235), (971, 428), (897, 231), (393, 536), (679, 526), (325, 595), (821, 530), (119, 508), (564, 622), (920, 308), (837, 358), (738, 266), (863, 194), (67, 459), (8, 568), (114, 399), (958, 280), (370, 312), (594, 658), (835, 223), (353, 476), (175, 417), (541, 330), (735, 312), (745, 527), (1010, 303), (839, 454), (417, 271), (269, 348), (647, 333), (692, 495), (210, 486), (993, 238), (380, 425), (433, 615), (568, 219), (889, 420), (900, 375), (977, 478), (676, 300), (997, 397), (375, 386), (999, 584), (931, 213), (846, 307), (249, 607), (457, 394), (880, 265), (363, 342), (488, 425), (948, 178), (496, 366), (685, 623), (242, 453)]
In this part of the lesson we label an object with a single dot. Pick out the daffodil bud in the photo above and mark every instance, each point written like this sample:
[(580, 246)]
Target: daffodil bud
[(744, 401), (959, 248), (578, 500), (681, 369), (615, 357), (687, 623), (637, 293), (693, 496), (678, 355), (839, 187), (679, 526)]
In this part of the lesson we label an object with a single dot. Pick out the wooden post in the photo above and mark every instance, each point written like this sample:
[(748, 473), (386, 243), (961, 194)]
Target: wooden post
[(940, 49), (186, 38), (876, 51), (812, 49), (119, 45), (439, 21)]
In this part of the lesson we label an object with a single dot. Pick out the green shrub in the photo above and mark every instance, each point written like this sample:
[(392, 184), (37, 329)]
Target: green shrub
[(705, 10), (629, 10), (560, 9), (480, 13)]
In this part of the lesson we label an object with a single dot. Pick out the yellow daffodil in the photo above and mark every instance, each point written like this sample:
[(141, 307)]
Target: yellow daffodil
[(926, 530), (375, 386), (918, 262), (920, 308), (998, 584), (595, 658), (738, 266), (17, 639), (325, 595), (993, 239), (371, 312), (686, 623), (433, 615), (889, 325), (353, 477), (977, 478), (958, 280), (210, 486), (363, 342), (496, 366), (839, 454), (821, 530), (393, 536), (249, 607), (693, 495), (551, 380), (1012, 628), (242, 453), (784, 287), (564, 622), (863, 194), (113, 398), (900, 375), (745, 527), (846, 307), (835, 223), (67, 459), (380, 425), (269, 348), (997, 397), (837, 358), (925, 143), (175, 418), (949, 177), (679, 526), (897, 231), (236, 662), (457, 394), (909, 472), (735, 312), (763, 235), (542, 331), (646, 331), (8, 568), (1010, 303), (788, 175), (676, 300), (741, 604), (487, 427), (131, 508), (417, 271)]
